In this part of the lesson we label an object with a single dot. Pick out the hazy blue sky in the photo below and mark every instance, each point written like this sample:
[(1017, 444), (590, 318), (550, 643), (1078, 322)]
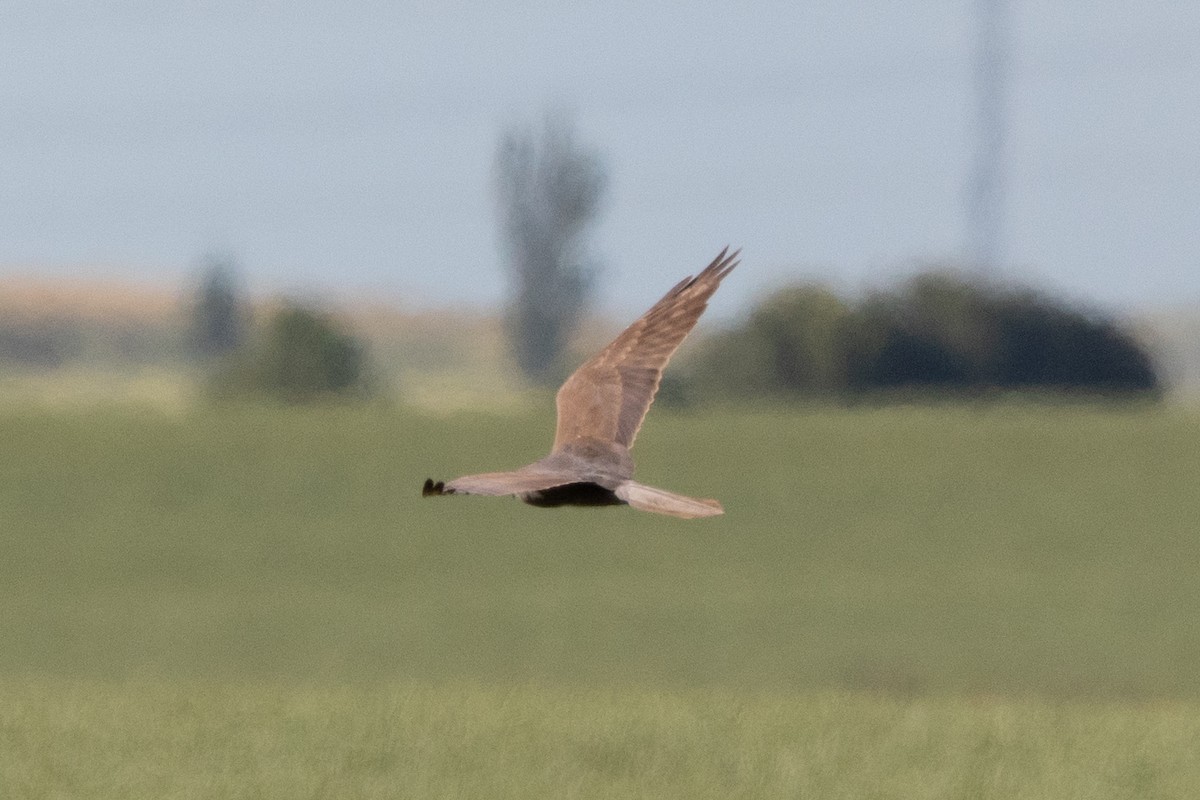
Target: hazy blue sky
[(349, 144)]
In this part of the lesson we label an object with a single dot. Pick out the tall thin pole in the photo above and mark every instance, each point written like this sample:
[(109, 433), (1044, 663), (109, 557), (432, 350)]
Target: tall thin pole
[(986, 189)]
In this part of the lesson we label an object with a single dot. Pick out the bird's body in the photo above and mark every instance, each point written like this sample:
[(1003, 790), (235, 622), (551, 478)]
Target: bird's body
[(600, 410)]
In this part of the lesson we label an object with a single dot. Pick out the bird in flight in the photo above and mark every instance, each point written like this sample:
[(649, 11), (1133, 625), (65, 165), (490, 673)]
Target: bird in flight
[(600, 409)]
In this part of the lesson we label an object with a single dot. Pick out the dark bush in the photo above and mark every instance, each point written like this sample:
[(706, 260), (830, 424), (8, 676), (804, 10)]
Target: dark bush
[(40, 344), (303, 355), (792, 343), (936, 332), (1040, 345)]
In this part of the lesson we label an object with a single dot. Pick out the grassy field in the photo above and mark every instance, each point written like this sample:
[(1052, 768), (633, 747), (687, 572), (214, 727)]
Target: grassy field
[(958, 601), (419, 741)]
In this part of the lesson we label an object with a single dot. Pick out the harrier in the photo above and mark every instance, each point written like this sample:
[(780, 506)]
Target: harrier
[(600, 409)]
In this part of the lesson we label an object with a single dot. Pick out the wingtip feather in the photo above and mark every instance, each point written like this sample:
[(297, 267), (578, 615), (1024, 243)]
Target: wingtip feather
[(722, 265)]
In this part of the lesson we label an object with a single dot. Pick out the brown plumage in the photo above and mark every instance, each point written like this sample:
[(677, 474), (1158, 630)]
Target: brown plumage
[(600, 410)]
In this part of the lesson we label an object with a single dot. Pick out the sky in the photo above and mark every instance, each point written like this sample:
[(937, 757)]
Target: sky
[(348, 146)]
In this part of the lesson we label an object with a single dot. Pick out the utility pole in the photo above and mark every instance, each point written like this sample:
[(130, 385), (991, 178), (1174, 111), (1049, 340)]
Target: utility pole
[(986, 186)]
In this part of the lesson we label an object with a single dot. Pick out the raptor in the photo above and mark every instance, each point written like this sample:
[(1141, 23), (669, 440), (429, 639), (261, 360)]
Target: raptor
[(601, 407)]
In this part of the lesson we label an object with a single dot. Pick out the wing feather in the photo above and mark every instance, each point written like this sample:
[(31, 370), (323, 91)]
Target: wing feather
[(608, 396), (660, 501)]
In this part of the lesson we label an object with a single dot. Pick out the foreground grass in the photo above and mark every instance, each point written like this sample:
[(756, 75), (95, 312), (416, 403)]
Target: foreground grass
[(87, 739), (992, 601), (1002, 549)]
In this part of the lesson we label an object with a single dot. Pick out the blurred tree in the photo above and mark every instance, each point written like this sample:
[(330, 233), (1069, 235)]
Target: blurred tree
[(549, 190), (41, 344), (803, 329), (931, 332), (303, 355), (792, 344), (1042, 344), (937, 331), (218, 318)]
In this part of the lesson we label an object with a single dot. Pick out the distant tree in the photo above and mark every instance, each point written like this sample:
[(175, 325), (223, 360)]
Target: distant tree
[(803, 329), (549, 190), (792, 343), (40, 344), (303, 355), (1041, 344), (935, 332), (219, 320), (932, 332)]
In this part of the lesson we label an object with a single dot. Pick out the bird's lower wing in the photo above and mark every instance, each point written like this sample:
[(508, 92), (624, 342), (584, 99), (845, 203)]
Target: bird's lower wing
[(499, 483), (660, 501)]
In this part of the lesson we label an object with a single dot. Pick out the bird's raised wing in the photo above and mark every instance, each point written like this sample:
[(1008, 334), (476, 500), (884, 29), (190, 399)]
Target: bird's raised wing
[(608, 397), (500, 483)]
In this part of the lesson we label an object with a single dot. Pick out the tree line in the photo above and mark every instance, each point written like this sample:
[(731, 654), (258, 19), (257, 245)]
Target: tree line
[(937, 332)]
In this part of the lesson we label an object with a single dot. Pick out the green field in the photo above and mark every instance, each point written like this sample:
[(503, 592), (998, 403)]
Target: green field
[(945, 601)]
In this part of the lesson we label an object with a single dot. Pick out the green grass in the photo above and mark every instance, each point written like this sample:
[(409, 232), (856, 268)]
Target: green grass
[(959, 601), (417, 741)]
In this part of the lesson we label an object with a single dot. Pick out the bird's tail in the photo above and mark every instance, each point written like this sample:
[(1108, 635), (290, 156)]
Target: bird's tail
[(660, 501)]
